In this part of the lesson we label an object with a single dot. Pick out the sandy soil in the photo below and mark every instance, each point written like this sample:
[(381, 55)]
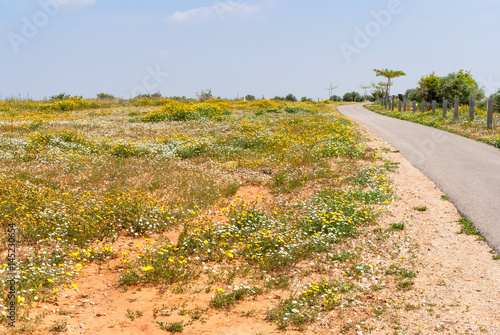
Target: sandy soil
[(456, 291)]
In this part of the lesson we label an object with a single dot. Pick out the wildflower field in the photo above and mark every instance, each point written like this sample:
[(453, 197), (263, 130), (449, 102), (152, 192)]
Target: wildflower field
[(77, 177), (465, 126)]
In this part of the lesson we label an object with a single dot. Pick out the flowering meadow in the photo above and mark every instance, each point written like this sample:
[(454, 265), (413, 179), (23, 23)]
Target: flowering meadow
[(472, 128), (76, 177)]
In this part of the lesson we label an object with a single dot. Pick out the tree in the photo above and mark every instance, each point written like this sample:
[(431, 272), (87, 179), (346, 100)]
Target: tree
[(250, 97), (60, 96), (459, 85), (377, 90), (365, 88), (352, 96), (205, 95), (330, 89), (458, 88), (291, 97), (429, 86), (390, 75), (496, 98), (466, 76), (412, 94), (347, 97), (104, 96)]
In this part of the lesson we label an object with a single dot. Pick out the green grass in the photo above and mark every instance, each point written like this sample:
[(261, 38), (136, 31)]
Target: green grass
[(468, 227), (396, 227), (405, 285), (172, 327), (226, 300), (400, 272), (59, 326), (133, 315)]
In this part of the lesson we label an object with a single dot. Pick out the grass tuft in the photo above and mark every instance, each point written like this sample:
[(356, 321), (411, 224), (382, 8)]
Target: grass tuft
[(468, 227)]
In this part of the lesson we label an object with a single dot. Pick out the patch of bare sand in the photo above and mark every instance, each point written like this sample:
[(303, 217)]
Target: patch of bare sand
[(99, 305), (251, 193)]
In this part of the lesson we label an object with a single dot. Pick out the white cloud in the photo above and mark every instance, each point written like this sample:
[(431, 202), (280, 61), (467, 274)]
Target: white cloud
[(220, 11)]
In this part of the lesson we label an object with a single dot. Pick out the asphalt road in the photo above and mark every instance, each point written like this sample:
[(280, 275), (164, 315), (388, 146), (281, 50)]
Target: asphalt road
[(465, 170)]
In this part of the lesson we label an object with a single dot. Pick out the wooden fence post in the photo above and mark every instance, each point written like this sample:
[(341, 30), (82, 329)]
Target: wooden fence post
[(423, 106), (399, 106), (489, 118), (433, 106), (404, 106), (392, 105), (445, 107), (471, 107), (414, 105), (455, 113)]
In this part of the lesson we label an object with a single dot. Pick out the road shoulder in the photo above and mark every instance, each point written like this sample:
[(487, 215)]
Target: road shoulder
[(457, 288)]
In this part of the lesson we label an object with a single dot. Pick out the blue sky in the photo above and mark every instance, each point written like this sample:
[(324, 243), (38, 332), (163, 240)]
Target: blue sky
[(237, 47)]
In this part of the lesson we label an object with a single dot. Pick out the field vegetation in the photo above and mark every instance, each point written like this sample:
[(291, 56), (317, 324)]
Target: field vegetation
[(77, 175)]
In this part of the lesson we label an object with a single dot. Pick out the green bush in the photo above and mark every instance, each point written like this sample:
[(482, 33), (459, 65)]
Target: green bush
[(496, 98), (293, 110), (352, 96), (105, 96), (190, 149), (60, 96)]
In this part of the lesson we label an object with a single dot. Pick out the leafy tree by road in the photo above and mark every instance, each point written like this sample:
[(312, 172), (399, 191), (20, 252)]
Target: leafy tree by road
[(389, 75), (459, 85), (429, 86), (352, 96)]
